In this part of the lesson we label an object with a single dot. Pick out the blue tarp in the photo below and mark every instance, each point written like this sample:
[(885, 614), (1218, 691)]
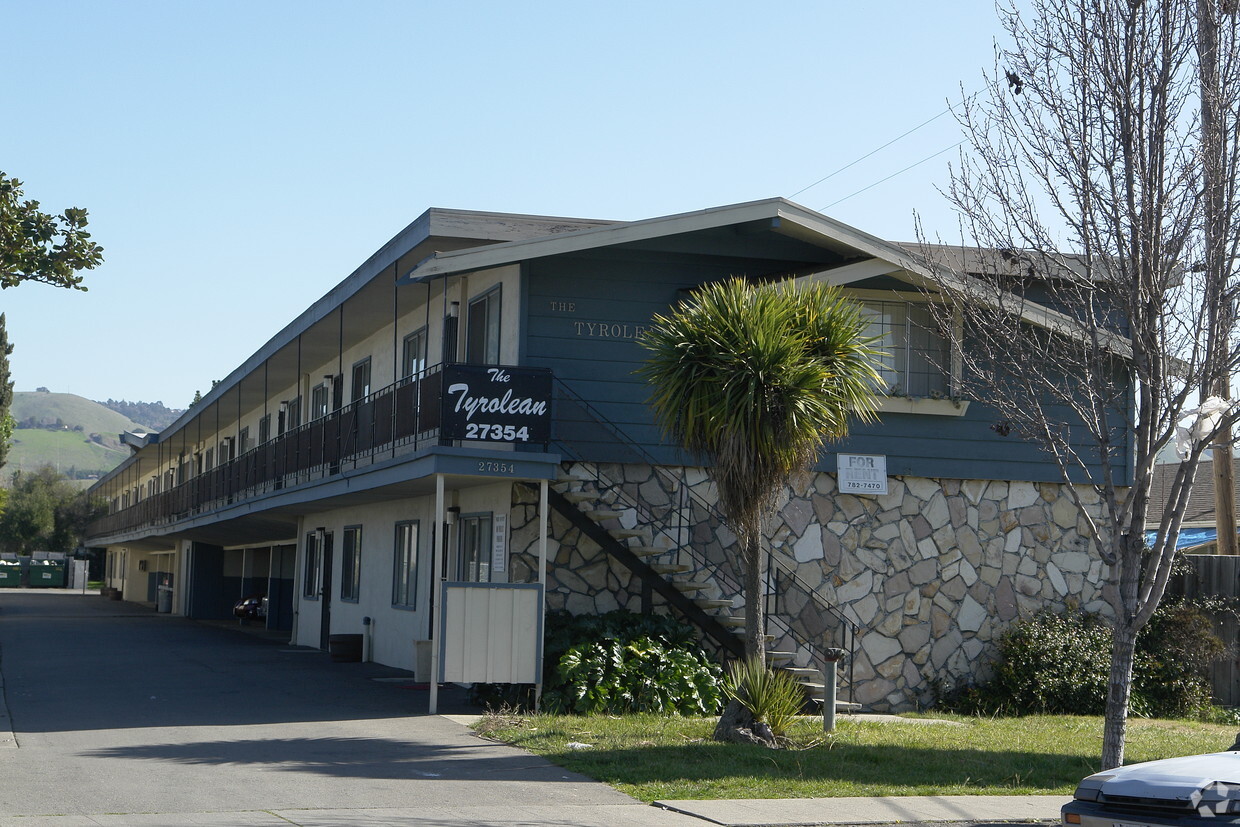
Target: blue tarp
[(1188, 537)]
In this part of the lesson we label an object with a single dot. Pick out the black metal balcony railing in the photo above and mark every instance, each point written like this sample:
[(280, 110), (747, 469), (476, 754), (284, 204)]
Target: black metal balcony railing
[(389, 421)]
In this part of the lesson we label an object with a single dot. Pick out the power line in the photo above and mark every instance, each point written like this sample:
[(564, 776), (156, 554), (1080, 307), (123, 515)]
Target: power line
[(872, 152), (893, 175)]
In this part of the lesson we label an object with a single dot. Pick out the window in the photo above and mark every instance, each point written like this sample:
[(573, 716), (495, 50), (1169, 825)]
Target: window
[(290, 414), (917, 360), (351, 564), (474, 548), (209, 460), (361, 380), (264, 429), (482, 343), (318, 401), (405, 565), (314, 567), (413, 355), (244, 439)]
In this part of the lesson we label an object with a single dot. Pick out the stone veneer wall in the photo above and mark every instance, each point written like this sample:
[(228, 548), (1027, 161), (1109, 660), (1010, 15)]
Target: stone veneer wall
[(931, 573), (580, 577)]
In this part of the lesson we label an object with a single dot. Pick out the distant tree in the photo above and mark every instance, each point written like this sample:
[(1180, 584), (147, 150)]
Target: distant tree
[(38, 246), (42, 390), (6, 394), (44, 512), (151, 414)]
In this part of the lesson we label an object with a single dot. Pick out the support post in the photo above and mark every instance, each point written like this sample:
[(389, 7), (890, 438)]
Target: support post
[(436, 578), (542, 580), (831, 657)]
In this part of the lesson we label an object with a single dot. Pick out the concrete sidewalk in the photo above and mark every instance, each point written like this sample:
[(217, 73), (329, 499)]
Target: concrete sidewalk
[(787, 812), (803, 812)]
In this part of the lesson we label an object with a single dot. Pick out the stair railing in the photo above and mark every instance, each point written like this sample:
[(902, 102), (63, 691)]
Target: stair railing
[(694, 527)]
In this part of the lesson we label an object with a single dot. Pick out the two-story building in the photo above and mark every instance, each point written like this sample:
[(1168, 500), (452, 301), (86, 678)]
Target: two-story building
[(466, 399)]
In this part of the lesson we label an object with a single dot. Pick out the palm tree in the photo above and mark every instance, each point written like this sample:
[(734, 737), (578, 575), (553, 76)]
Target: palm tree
[(752, 379)]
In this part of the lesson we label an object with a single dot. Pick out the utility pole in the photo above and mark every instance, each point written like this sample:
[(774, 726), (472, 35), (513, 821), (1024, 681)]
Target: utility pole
[(1221, 309)]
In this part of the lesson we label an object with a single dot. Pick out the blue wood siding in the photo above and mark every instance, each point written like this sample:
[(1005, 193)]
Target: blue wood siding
[(583, 314)]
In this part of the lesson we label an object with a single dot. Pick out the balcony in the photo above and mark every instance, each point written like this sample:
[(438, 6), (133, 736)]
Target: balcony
[(395, 420)]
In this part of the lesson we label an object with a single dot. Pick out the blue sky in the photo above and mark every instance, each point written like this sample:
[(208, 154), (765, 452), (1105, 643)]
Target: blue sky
[(238, 159)]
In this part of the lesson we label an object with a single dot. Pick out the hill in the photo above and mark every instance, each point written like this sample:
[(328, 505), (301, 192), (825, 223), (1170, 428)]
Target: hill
[(69, 452), (44, 409), (70, 433)]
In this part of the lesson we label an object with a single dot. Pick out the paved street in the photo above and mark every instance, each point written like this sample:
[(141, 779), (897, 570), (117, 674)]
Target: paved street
[(118, 712)]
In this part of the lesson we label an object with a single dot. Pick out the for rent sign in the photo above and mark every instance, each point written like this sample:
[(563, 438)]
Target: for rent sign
[(863, 474), (496, 403)]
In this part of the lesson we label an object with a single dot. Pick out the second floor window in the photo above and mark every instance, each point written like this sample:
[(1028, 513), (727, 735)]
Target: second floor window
[(319, 397), (917, 360), (290, 414), (413, 355), (361, 380), (482, 342)]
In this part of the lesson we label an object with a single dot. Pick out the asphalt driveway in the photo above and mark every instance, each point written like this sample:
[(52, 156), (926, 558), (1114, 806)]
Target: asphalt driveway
[(120, 715)]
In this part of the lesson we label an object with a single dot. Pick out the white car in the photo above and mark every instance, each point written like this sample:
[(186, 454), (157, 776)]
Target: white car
[(1194, 790)]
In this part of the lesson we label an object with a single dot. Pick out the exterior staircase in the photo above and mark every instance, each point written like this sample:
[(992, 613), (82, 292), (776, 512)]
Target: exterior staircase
[(635, 535)]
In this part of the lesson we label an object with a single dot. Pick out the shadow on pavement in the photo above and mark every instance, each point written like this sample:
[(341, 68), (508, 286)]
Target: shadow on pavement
[(72, 662), (373, 758)]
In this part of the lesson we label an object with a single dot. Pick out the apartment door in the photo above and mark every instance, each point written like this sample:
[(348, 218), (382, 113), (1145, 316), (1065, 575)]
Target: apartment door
[(325, 596)]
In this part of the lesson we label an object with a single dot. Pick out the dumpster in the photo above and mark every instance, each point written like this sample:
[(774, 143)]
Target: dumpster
[(10, 575), (47, 574)]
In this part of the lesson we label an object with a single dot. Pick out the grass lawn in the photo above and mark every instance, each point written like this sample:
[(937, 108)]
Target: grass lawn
[(651, 757)]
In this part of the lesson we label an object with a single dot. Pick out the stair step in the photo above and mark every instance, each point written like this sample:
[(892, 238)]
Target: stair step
[(670, 568), (731, 621), (626, 533), (717, 603), (646, 551), (803, 671), (604, 514), (781, 657), (694, 586), (844, 706), (580, 496)]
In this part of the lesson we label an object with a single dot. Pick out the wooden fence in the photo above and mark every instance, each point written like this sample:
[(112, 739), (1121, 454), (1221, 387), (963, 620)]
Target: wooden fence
[(1215, 575)]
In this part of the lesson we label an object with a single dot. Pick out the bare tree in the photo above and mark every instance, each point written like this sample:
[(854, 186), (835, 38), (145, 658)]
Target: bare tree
[(1083, 307)]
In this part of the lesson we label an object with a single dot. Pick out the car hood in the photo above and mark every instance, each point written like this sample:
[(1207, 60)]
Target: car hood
[(1170, 778)]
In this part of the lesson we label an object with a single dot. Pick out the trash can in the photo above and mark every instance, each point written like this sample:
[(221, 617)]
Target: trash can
[(164, 601), (10, 575), (47, 574)]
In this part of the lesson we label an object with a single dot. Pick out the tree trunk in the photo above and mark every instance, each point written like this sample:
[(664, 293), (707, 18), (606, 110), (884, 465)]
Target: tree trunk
[(1119, 691), (755, 599)]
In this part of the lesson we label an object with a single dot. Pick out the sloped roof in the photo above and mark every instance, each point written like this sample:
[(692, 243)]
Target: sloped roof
[(1199, 513)]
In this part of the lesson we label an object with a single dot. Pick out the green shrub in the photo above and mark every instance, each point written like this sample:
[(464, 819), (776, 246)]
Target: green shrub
[(565, 632), (774, 698), (644, 675), (1174, 653), (1060, 663)]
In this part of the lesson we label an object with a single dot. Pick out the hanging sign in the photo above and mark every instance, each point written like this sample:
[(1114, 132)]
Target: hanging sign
[(494, 403), (862, 474), (499, 544)]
